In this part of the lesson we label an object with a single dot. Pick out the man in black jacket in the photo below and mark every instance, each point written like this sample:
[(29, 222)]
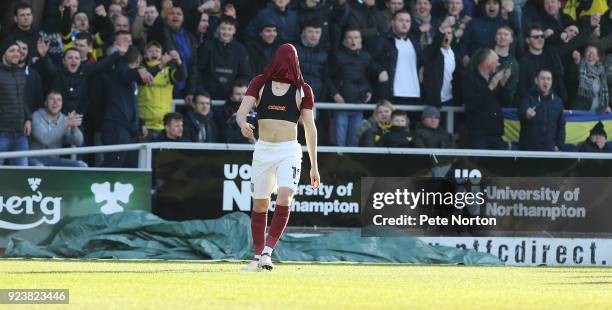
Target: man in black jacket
[(261, 50), (313, 60), (332, 15), (23, 31), (483, 93), (442, 70), (174, 130), (223, 60), (541, 56), (15, 118), (429, 134), (74, 77), (401, 65), (352, 68)]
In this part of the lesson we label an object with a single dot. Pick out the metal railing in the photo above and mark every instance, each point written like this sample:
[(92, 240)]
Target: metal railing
[(450, 111), (145, 151)]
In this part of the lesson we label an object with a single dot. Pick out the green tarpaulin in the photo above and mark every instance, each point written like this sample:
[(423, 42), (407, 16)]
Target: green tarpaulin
[(139, 234)]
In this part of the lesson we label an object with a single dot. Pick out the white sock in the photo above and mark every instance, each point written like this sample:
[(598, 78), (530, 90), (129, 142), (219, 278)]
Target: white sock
[(267, 250)]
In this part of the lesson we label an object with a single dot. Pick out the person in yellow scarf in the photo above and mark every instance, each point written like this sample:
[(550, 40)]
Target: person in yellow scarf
[(371, 130), (581, 8)]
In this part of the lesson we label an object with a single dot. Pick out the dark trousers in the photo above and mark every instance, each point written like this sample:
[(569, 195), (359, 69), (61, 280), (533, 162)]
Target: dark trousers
[(116, 134), (407, 100), (488, 142)]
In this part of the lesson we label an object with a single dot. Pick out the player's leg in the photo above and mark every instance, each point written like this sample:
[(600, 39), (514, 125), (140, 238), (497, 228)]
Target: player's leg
[(259, 221), (288, 176), (263, 180)]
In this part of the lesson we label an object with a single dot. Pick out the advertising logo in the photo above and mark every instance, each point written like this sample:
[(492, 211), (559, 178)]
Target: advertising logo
[(48, 208)]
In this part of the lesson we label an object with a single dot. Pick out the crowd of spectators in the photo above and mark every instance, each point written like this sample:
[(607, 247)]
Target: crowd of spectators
[(102, 72)]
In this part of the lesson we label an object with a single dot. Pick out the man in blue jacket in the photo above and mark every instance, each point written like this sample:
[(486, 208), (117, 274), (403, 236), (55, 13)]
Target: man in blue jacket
[(121, 122), (541, 115), (286, 20), (480, 32)]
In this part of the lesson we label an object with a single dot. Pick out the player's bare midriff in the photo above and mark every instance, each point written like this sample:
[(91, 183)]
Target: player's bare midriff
[(274, 130)]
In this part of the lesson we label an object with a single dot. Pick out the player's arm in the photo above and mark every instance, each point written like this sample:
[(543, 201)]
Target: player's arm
[(253, 94), (241, 116), (310, 130)]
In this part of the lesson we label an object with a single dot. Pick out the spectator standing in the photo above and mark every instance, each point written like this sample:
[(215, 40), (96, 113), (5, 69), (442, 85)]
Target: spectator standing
[(483, 95), (223, 60), (351, 71), (181, 40), (364, 15), (401, 57), (155, 98), (15, 119), (541, 116), (332, 15), (23, 30), (261, 50), (286, 21), (589, 76), (122, 124), (480, 31), (425, 25), (443, 69)]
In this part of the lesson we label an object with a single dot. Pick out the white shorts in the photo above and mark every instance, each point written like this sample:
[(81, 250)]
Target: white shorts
[(275, 165)]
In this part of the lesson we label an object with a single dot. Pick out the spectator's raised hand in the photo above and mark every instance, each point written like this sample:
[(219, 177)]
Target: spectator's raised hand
[(595, 18), (458, 33), (338, 98), (27, 128), (176, 57), (576, 57), (448, 22), (548, 32), (142, 7), (505, 76), (530, 113), (121, 48), (207, 6), (144, 132), (229, 10), (165, 59), (42, 47), (145, 76), (383, 76), (71, 6), (507, 6), (101, 11), (425, 27)]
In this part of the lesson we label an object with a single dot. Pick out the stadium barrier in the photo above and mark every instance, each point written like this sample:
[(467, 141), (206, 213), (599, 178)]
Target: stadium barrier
[(187, 174), (449, 111)]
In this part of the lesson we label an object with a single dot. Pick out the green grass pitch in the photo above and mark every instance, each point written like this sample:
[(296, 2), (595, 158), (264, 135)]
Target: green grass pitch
[(134, 284)]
